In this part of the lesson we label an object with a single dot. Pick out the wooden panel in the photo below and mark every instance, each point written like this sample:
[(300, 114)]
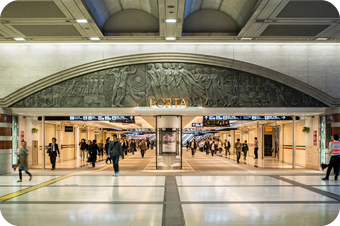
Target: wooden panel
[(5, 131), (6, 118), (5, 144)]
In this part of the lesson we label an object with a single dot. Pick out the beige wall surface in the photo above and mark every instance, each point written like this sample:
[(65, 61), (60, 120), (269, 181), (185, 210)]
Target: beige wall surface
[(315, 64)]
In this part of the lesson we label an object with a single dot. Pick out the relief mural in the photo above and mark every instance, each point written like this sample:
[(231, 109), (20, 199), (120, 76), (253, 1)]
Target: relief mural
[(199, 85)]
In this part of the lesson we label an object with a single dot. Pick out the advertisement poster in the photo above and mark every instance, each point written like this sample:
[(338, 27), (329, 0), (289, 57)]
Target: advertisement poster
[(169, 142)]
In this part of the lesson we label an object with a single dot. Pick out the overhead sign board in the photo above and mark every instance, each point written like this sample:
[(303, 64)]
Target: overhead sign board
[(116, 119), (197, 124), (140, 130), (250, 118), (216, 123)]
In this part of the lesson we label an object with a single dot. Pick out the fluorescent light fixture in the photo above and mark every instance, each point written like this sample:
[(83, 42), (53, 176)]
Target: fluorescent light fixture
[(82, 21), (170, 20), (321, 39), (170, 39), (246, 39), (19, 39), (95, 39)]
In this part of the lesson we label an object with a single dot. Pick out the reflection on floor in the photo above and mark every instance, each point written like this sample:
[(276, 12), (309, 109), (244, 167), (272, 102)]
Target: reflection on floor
[(203, 200)]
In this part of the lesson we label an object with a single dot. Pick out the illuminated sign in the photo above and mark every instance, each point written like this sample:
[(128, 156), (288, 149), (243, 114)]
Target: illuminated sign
[(197, 124), (216, 123), (250, 118), (140, 130), (168, 103), (268, 129), (116, 119)]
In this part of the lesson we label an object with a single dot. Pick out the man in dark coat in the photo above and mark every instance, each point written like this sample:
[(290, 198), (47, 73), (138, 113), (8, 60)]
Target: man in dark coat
[(93, 151), (53, 150)]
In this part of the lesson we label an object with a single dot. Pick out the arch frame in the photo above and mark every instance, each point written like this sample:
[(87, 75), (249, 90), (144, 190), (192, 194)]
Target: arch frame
[(163, 58)]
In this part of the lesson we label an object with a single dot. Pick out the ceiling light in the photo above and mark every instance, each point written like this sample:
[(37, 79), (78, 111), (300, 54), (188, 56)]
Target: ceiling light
[(95, 39), (82, 21), (19, 39), (170, 39), (321, 39), (170, 20), (246, 39)]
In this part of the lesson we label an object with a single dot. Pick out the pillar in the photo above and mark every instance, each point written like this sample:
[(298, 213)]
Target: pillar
[(43, 142), (259, 135), (294, 143), (6, 146), (232, 141)]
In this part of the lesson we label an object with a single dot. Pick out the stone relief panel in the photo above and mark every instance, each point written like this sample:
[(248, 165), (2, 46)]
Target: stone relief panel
[(199, 85)]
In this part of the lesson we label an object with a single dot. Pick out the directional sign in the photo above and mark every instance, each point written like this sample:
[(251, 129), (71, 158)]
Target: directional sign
[(250, 118), (116, 119)]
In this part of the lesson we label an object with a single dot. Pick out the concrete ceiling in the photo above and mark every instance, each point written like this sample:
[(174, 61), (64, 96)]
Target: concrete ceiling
[(114, 21)]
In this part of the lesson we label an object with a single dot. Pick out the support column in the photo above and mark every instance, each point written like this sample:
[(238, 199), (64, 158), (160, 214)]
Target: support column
[(259, 135), (232, 141), (294, 145), (43, 141)]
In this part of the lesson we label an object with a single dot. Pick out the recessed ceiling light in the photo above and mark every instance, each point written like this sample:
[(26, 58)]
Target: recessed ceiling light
[(82, 21), (95, 39), (19, 39), (170, 39), (170, 20), (246, 39), (321, 39)]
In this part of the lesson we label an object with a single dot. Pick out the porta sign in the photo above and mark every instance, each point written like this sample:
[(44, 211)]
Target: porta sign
[(168, 103)]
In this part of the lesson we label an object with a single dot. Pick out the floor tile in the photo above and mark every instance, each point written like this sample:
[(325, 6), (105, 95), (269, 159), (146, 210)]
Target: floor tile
[(82, 214), (244, 194), (94, 194), (259, 214), (331, 189), (116, 181), (12, 180), (228, 180), (312, 180), (8, 190)]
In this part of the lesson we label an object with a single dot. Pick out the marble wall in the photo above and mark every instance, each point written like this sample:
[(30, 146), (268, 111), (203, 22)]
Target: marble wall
[(314, 64)]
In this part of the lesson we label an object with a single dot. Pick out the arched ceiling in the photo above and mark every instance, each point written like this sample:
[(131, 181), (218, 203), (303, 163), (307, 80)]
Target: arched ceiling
[(238, 10)]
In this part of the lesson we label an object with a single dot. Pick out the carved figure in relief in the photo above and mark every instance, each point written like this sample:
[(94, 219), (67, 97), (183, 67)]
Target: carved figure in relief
[(201, 77), (101, 84), (280, 98), (192, 84), (162, 78), (122, 87), (182, 88), (170, 85), (219, 95), (153, 79), (208, 87)]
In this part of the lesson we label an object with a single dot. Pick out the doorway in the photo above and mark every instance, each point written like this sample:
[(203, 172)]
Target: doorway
[(268, 145)]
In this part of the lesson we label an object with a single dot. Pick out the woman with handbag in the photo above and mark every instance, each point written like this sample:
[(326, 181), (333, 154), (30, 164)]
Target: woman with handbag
[(23, 163)]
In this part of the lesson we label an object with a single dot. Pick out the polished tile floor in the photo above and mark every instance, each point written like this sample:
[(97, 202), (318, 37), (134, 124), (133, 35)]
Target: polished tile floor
[(236, 194)]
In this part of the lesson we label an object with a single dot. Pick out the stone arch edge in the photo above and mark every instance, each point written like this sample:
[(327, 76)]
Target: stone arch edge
[(166, 57)]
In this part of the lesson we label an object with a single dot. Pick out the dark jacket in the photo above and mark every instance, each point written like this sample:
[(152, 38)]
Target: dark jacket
[(56, 148), (93, 150), (107, 146), (115, 149), (195, 145), (125, 145), (83, 146), (245, 147), (206, 145), (133, 145)]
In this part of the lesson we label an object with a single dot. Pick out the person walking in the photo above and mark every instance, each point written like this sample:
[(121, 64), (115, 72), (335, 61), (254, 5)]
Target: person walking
[(206, 146), (142, 146), (227, 147), (115, 150), (87, 149), (256, 147), (334, 149), (187, 145), (82, 146), (125, 146), (212, 148), (93, 152), (193, 147), (53, 151), (238, 148), (148, 144), (107, 144), (101, 149), (23, 161), (245, 149), (152, 143), (132, 146)]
